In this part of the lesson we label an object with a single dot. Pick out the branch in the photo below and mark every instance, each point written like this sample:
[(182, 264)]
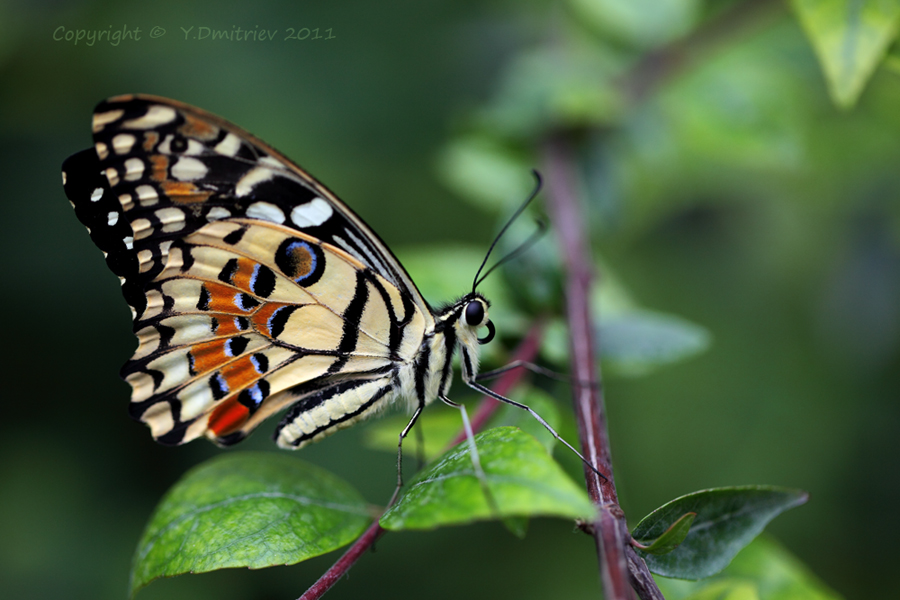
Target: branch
[(641, 580), (610, 530), (526, 352)]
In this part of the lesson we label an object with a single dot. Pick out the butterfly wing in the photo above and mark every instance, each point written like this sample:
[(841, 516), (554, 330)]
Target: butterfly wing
[(253, 287)]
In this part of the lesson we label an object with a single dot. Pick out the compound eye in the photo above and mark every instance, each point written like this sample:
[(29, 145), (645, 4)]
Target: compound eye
[(474, 313)]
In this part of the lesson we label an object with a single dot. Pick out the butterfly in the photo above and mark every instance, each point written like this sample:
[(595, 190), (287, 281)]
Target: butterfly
[(253, 288)]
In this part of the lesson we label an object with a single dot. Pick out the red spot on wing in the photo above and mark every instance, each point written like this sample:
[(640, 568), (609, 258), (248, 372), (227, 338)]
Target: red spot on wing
[(228, 417)]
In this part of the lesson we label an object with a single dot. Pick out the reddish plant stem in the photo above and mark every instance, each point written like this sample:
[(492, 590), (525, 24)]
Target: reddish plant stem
[(526, 351), (610, 530), (641, 580), (340, 568)]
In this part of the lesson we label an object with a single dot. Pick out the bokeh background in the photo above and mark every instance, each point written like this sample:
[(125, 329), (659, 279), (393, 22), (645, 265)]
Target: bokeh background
[(723, 186)]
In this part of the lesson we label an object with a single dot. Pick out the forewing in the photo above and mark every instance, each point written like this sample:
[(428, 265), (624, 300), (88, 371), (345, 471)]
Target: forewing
[(160, 170)]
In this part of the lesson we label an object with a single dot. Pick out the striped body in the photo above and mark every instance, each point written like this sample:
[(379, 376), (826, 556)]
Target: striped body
[(253, 288)]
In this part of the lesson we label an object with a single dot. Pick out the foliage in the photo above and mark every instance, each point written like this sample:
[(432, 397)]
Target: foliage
[(247, 510), (725, 520)]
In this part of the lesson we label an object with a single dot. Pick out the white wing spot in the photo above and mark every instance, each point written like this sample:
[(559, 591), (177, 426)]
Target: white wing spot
[(123, 143), (194, 147), (141, 228), (156, 115), (134, 169), (188, 169), (229, 146), (101, 120), (266, 212), (272, 162), (129, 242), (218, 212), (102, 150), (126, 201), (96, 194), (251, 180), (312, 213), (112, 176), (112, 218), (64, 177), (172, 219), (147, 195)]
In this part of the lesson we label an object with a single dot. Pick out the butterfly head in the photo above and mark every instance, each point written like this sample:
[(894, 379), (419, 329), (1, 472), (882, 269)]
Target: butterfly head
[(475, 316), (471, 313)]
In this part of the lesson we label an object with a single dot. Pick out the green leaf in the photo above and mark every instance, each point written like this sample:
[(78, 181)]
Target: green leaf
[(522, 478), (673, 536), (247, 510), (727, 520), (763, 569), (850, 37), (636, 342)]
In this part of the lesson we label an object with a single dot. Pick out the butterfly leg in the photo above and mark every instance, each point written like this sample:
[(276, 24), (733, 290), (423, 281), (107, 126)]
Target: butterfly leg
[(473, 453), (403, 434), (470, 381), (524, 364)]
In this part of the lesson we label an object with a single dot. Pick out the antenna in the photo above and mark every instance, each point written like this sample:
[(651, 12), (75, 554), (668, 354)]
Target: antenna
[(539, 182)]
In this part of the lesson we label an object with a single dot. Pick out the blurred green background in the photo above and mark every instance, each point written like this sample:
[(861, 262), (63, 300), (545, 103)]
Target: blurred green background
[(722, 186)]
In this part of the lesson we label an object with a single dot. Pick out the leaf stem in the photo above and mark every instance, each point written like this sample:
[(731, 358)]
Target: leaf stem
[(525, 352)]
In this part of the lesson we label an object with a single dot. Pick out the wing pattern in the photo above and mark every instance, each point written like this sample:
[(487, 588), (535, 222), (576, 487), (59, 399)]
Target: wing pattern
[(253, 288)]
